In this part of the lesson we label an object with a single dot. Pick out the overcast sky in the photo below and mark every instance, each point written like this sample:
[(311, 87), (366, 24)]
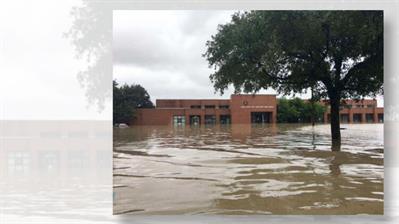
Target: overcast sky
[(162, 51)]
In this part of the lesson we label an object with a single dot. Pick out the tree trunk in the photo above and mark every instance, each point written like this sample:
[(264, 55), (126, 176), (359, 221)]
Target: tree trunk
[(335, 125)]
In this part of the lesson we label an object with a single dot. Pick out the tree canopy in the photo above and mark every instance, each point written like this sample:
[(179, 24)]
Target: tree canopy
[(298, 111), (126, 99), (291, 51), (339, 54)]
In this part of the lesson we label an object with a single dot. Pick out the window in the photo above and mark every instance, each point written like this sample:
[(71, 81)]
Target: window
[(179, 120), (344, 118), (370, 105), (195, 106), (225, 119), (381, 118), (210, 119), (18, 162), (210, 106), (369, 118), (195, 120), (48, 161), (357, 118), (224, 106)]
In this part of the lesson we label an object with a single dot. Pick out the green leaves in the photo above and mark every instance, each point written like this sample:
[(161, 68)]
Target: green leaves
[(126, 99), (291, 51), (297, 110)]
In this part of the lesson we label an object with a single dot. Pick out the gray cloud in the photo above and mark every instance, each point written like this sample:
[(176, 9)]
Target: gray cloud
[(167, 38), (162, 50)]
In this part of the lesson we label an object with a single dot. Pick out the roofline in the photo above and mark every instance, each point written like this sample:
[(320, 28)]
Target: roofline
[(193, 99), (224, 98), (247, 94)]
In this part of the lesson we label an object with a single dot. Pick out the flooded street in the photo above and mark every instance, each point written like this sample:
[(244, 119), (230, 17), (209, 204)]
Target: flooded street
[(244, 169)]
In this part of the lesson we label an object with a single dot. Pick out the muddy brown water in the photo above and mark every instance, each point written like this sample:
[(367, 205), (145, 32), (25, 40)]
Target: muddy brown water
[(246, 169)]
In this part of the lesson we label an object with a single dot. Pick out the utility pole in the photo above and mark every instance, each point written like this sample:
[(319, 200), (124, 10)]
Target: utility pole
[(312, 118)]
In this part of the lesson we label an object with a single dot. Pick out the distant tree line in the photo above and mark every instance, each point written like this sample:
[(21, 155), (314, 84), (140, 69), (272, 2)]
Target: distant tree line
[(299, 111), (126, 99)]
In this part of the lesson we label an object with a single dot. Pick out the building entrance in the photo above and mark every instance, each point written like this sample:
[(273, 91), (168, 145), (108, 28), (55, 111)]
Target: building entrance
[(179, 120), (195, 120), (357, 118), (261, 117), (210, 119), (344, 118)]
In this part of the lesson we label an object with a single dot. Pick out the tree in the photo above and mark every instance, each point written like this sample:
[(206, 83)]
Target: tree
[(314, 112), (298, 111), (286, 113), (338, 54), (126, 99)]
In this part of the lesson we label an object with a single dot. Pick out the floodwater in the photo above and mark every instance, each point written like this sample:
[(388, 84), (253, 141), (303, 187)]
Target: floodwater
[(245, 169)]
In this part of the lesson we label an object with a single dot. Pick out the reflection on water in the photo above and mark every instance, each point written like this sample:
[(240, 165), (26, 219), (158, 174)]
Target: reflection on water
[(55, 171), (274, 169)]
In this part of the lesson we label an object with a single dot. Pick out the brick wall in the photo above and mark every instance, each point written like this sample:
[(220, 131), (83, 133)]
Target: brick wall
[(240, 108), (243, 105)]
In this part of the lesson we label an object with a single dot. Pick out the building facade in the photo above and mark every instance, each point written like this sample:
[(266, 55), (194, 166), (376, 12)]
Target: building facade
[(244, 109), (239, 109), (357, 111)]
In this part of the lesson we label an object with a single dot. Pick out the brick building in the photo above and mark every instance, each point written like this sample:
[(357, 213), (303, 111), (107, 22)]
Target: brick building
[(244, 109), (357, 111), (239, 109)]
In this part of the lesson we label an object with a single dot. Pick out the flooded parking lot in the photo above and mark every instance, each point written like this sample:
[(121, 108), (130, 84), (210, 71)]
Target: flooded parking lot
[(246, 169)]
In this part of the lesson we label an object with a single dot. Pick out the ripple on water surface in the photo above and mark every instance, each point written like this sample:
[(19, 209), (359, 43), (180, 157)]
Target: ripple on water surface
[(244, 169)]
